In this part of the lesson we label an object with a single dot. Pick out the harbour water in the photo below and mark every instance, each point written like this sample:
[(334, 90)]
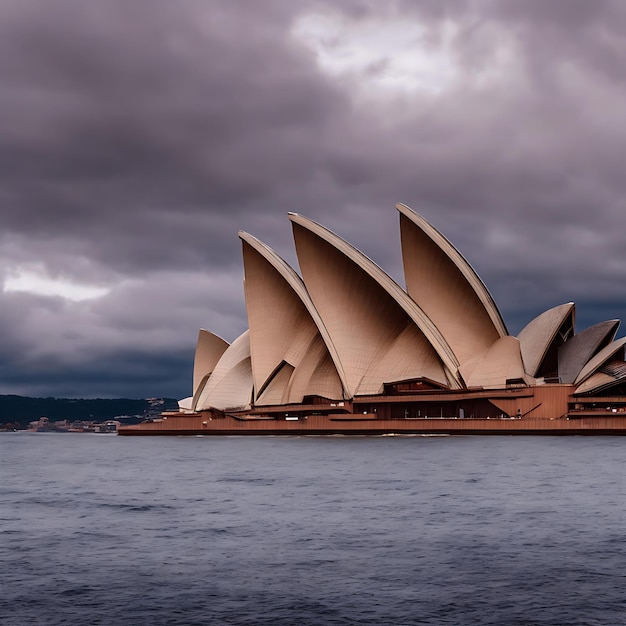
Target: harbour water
[(100, 529)]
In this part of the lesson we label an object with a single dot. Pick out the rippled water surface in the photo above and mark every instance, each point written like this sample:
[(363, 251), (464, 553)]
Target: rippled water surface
[(100, 529)]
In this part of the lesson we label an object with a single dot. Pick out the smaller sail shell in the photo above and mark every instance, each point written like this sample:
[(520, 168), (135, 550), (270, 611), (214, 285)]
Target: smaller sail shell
[(230, 384), (537, 337), (600, 359), (577, 351), (209, 350)]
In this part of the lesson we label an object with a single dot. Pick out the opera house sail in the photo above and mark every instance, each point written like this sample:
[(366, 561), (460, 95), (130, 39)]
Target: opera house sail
[(341, 348)]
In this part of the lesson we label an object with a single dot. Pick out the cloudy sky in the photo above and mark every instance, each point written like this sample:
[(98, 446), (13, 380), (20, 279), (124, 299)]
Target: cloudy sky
[(138, 136)]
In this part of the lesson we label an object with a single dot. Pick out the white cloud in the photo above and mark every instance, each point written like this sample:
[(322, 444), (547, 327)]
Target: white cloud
[(397, 55), (390, 54), (38, 282)]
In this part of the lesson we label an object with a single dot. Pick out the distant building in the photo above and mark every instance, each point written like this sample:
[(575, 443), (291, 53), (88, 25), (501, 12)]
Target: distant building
[(110, 426), (42, 424)]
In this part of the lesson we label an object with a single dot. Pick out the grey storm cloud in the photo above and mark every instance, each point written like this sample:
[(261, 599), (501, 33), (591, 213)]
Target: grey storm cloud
[(137, 138)]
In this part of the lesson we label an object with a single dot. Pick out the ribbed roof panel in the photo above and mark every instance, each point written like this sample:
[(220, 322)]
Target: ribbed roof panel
[(537, 336), (365, 311), (447, 288), (209, 349), (230, 384), (576, 352), (283, 320), (492, 368), (600, 359)]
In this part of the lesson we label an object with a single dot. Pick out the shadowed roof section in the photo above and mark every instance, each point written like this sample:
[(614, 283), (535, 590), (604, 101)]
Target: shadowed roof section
[(600, 359), (577, 351), (539, 335), (500, 363), (366, 313), (285, 328), (209, 350), (447, 288), (610, 375)]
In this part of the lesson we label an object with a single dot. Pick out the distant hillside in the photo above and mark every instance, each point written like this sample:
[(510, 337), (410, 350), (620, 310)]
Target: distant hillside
[(22, 410)]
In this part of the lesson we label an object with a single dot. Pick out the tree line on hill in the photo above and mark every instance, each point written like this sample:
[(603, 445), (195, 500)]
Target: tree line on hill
[(18, 411)]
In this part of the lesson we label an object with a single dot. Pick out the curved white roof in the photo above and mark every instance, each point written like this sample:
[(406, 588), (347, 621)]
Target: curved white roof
[(315, 375), (537, 336), (230, 384), (577, 351), (600, 381), (502, 361), (284, 325), (600, 359), (186, 404), (365, 312), (209, 350), (447, 288)]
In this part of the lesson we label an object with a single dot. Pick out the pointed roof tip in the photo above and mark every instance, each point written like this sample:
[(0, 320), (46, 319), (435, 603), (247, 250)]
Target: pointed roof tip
[(553, 315), (298, 218), (210, 332), (436, 235), (251, 240), (247, 237), (405, 209), (261, 247)]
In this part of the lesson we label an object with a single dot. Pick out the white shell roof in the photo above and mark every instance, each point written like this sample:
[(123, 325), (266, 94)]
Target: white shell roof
[(576, 352), (284, 326), (209, 350), (537, 336), (359, 327), (230, 384), (600, 359), (447, 288)]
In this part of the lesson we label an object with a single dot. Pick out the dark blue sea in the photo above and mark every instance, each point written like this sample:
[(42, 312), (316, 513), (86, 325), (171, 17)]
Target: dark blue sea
[(101, 529)]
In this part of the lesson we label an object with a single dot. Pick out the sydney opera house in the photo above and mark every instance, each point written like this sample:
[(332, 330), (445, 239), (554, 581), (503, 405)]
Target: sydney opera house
[(341, 348)]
